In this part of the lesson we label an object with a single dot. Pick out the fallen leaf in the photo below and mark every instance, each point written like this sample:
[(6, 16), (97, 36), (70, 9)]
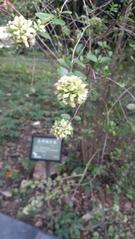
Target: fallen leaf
[(9, 174), (86, 217), (36, 124), (39, 223), (7, 194)]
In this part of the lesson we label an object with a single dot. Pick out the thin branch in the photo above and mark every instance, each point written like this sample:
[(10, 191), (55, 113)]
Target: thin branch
[(65, 2), (45, 45), (126, 89), (104, 147), (84, 173), (74, 50)]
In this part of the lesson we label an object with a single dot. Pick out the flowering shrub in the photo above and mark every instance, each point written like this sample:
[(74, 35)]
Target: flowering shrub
[(23, 31), (62, 128), (71, 90)]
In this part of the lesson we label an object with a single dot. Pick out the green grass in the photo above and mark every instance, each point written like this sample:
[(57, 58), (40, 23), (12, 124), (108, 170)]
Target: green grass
[(26, 91)]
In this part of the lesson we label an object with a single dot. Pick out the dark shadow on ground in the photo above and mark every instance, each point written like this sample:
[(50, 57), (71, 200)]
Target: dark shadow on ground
[(14, 229)]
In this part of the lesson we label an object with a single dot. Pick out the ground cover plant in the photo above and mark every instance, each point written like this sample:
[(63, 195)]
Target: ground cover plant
[(71, 74)]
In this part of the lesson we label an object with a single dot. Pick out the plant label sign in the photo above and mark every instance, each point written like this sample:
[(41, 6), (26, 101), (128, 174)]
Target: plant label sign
[(46, 148)]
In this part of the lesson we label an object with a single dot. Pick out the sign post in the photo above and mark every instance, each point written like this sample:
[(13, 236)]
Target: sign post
[(48, 169), (46, 148)]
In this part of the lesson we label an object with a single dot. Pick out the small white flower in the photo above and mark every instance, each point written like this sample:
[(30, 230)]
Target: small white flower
[(35, 204), (27, 210), (116, 208), (38, 26), (62, 129), (71, 90), (25, 184)]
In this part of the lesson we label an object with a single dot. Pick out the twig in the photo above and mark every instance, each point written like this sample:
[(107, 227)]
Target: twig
[(65, 2), (104, 147), (45, 45), (84, 173), (76, 111), (126, 89)]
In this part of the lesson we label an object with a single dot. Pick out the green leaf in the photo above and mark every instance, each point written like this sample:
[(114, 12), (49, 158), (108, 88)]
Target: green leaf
[(77, 118), (79, 48), (64, 62), (62, 71), (45, 17), (66, 31), (80, 74), (92, 57), (132, 46), (65, 116), (133, 128), (105, 60), (58, 21), (103, 44), (45, 35), (106, 71), (131, 106)]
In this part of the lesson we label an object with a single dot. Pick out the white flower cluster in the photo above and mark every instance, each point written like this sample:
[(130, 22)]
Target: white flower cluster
[(62, 128), (23, 31), (71, 90), (36, 203)]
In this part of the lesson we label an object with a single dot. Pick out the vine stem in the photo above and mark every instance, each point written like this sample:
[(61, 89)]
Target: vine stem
[(74, 50)]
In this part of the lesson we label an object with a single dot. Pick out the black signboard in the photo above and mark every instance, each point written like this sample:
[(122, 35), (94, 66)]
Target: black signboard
[(46, 148)]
